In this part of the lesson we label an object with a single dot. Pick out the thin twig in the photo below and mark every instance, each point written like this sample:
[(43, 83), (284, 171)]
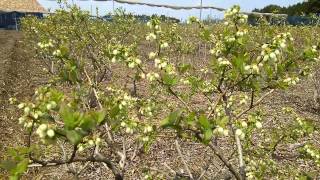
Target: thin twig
[(218, 153), (255, 104), (182, 159), (100, 106)]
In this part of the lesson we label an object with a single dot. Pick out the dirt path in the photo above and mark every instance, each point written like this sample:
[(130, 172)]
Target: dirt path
[(8, 40), (18, 77)]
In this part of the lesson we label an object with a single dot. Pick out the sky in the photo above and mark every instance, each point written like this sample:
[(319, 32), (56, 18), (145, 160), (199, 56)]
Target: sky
[(106, 7)]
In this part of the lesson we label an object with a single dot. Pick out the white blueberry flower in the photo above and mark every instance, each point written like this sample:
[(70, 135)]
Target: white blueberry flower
[(57, 53), (98, 141), (91, 142), (49, 106), (258, 124), (50, 133), (35, 115), (225, 132), (145, 139), (152, 55), (151, 37), (220, 130), (43, 127), (239, 132), (142, 75), (80, 148), (115, 52), (21, 120), (266, 58), (131, 65), (129, 130), (283, 45), (26, 110), (244, 124), (148, 129), (28, 125), (273, 56), (164, 45)]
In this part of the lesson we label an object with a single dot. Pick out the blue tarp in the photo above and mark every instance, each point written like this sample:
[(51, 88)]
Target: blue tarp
[(11, 20)]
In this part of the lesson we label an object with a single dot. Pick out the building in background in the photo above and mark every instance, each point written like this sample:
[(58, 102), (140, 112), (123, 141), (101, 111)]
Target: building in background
[(12, 10)]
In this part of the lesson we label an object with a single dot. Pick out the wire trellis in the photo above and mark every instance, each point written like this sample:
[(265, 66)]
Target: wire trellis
[(176, 7)]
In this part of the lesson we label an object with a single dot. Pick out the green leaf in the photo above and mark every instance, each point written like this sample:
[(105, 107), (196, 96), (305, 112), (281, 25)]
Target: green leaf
[(69, 118), (169, 80), (87, 123), (206, 34), (238, 63), (208, 135), (171, 120), (90, 120), (114, 111), (74, 137), (15, 167), (223, 121), (100, 116), (191, 118), (184, 68), (204, 122), (21, 167)]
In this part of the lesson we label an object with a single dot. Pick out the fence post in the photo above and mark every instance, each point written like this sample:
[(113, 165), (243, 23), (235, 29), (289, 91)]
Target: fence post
[(200, 10)]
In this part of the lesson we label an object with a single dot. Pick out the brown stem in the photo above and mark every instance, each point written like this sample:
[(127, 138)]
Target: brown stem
[(217, 152), (111, 165)]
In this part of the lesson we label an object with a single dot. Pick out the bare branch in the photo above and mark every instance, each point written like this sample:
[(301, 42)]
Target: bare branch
[(218, 153), (255, 104), (182, 159)]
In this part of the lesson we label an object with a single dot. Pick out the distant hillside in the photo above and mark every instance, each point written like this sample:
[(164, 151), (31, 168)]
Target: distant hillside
[(306, 7)]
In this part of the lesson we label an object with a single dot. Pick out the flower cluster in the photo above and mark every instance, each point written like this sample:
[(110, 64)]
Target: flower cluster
[(291, 81), (147, 108), (224, 62), (221, 131), (152, 76), (151, 37), (152, 55), (87, 143), (272, 51), (57, 53), (44, 131), (46, 45), (256, 168), (120, 53), (127, 101), (233, 14), (252, 69), (147, 130), (218, 49), (161, 63), (129, 126), (313, 153)]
